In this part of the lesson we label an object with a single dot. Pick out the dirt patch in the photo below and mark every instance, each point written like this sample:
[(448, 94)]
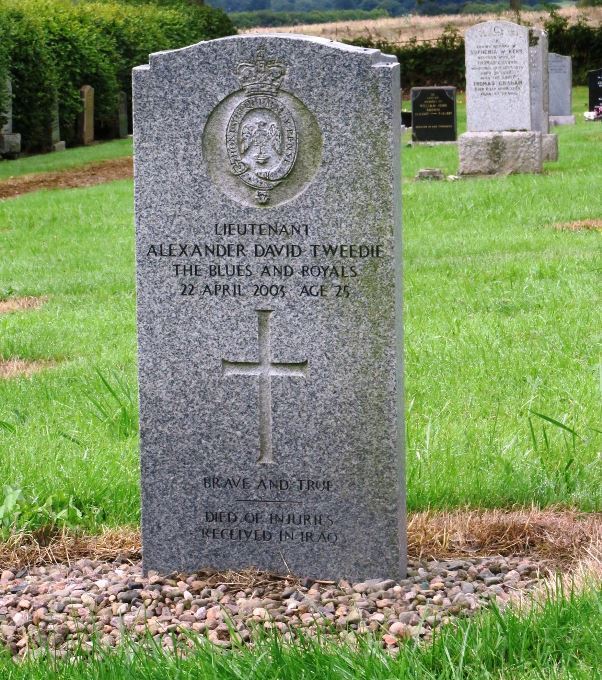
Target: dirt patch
[(19, 368), (21, 304), (81, 176), (559, 537), (580, 225)]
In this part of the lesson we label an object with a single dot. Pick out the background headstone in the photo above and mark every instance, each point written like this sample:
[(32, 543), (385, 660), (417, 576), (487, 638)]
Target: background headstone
[(121, 122), (561, 89), (85, 120), (594, 81), (55, 129), (10, 142), (538, 65), (500, 139), (433, 114), (269, 303), (497, 77)]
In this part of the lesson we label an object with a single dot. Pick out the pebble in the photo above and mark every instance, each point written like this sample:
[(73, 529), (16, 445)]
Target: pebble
[(64, 606)]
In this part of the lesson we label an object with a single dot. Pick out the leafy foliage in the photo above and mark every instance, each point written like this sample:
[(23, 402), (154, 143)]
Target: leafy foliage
[(438, 62), (51, 48), (441, 61)]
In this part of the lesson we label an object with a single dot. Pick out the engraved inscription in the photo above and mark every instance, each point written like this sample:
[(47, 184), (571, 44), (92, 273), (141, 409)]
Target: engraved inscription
[(265, 369), (261, 144), (261, 137)]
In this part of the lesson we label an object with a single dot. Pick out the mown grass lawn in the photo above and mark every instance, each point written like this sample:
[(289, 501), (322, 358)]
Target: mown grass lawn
[(503, 380), (503, 320), (54, 162)]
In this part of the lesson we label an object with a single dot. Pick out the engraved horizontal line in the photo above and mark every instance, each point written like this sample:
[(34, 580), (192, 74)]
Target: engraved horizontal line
[(264, 500)]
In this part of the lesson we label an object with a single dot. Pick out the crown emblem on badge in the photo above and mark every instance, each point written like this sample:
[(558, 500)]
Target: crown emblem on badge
[(263, 76)]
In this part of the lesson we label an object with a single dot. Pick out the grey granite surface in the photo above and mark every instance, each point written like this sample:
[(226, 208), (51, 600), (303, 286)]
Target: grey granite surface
[(538, 64), (500, 153), (497, 77), (267, 189), (549, 147), (560, 71)]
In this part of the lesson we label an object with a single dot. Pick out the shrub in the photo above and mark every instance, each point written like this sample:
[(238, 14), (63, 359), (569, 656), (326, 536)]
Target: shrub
[(57, 46), (580, 41), (437, 62), (441, 61)]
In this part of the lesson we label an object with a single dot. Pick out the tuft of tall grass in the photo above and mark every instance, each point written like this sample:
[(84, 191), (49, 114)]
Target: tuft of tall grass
[(112, 402), (555, 638)]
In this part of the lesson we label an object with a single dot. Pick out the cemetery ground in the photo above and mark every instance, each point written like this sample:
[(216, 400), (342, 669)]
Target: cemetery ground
[(503, 386)]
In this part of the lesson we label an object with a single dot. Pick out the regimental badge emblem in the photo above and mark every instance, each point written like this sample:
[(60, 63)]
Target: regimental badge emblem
[(261, 143), (261, 137)]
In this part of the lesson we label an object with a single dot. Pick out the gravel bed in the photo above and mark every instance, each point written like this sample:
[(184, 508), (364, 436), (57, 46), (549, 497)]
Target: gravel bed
[(63, 607)]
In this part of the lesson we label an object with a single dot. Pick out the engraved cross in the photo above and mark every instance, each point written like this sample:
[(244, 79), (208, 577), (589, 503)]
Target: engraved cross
[(265, 369)]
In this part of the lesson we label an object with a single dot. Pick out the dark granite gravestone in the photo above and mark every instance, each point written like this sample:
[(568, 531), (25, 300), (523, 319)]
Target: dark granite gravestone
[(433, 114), (594, 81), (269, 308)]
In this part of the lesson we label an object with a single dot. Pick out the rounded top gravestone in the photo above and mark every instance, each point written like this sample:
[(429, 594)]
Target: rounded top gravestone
[(269, 307), (498, 88)]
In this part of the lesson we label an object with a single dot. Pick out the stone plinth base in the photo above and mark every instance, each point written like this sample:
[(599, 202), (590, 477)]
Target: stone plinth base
[(549, 147), (10, 144), (500, 153), (562, 120), (59, 146)]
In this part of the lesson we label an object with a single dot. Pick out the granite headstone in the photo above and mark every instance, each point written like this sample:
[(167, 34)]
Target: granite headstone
[(56, 143), (10, 141), (594, 81), (497, 77), (538, 65), (561, 85), (121, 119), (85, 122), (269, 307), (433, 114)]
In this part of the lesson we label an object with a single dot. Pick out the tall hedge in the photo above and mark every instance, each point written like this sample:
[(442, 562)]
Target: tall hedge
[(580, 41), (56, 46)]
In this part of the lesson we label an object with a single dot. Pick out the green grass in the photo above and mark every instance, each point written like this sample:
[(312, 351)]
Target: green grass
[(558, 640), (63, 160), (502, 319)]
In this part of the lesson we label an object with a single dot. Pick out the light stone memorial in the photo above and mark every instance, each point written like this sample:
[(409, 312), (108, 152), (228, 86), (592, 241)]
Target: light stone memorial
[(85, 119), (560, 71), (56, 143), (10, 141), (500, 139), (269, 308), (540, 115)]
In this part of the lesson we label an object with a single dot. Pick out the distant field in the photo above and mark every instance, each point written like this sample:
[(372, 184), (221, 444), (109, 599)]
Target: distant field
[(402, 29)]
